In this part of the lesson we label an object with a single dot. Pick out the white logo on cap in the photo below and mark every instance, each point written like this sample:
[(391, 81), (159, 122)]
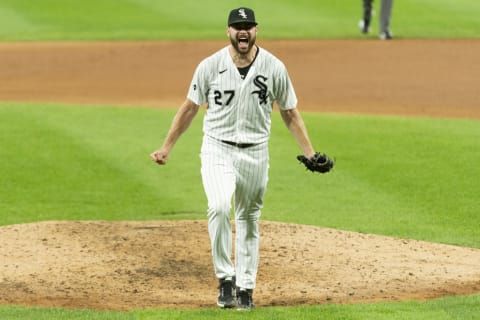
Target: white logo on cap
[(242, 13)]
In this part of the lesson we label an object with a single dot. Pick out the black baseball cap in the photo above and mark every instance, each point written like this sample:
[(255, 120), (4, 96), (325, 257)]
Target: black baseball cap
[(241, 15)]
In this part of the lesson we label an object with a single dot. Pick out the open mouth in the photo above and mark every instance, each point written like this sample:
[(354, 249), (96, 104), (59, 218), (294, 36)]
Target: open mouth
[(243, 42)]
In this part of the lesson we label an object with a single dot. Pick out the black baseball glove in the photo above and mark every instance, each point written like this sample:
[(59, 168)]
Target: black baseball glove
[(320, 162)]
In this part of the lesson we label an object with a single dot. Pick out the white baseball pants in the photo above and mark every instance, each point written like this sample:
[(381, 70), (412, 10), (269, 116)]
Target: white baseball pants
[(241, 173)]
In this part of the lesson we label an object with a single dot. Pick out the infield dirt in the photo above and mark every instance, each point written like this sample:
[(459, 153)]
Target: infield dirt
[(129, 265), (436, 78)]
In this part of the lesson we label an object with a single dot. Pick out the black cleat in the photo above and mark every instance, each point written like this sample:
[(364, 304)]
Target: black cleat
[(226, 293), (245, 299)]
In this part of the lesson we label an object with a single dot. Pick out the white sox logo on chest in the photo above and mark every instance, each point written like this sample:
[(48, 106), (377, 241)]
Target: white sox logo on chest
[(260, 83)]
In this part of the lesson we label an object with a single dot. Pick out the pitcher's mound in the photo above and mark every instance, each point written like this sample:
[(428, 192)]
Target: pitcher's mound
[(133, 265)]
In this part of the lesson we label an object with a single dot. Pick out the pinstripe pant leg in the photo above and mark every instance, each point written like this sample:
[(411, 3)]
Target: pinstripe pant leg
[(218, 177), (252, 177)]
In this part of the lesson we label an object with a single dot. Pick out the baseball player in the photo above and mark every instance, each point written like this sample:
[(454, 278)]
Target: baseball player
[(385, 17), (238, 84)]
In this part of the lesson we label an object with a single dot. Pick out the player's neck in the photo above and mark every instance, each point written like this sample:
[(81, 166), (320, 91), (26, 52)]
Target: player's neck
[(243, 59)]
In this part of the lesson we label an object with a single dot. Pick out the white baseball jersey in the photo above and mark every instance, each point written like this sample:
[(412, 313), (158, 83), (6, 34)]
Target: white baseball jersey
[(239, 109)]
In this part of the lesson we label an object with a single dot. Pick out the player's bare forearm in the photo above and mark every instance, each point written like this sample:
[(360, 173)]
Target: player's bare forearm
[(180, 124), (294, 122)]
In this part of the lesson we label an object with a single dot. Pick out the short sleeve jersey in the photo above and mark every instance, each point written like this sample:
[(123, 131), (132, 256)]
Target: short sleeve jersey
[(239, 109)]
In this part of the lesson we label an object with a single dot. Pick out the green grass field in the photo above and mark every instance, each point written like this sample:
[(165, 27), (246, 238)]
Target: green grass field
[(93, 163), (192, 19), (404, 177), (465, 308)]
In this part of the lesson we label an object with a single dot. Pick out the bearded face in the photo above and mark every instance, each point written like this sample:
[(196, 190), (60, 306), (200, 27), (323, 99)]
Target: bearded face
[(242, 36)]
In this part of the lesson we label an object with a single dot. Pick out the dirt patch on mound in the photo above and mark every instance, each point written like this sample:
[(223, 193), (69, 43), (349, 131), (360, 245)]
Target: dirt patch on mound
[(131, 265)]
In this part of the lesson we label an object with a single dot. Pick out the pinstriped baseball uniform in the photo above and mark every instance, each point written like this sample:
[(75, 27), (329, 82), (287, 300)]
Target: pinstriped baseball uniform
[(234, 152)]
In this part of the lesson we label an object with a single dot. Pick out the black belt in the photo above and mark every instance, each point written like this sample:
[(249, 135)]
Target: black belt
[(239, 145)]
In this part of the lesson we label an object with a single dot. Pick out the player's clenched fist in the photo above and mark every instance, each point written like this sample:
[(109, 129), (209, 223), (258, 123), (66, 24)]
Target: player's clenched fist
[(159, 156)]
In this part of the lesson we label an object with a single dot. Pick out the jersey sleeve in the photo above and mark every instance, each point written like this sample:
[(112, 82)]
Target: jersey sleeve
[(283, 89), (198, 87)]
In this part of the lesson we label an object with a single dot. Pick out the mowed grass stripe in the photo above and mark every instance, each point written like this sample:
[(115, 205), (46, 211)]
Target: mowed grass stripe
[(414, 178), (395, 176), (80, 163), (467, 307), (192, 19)]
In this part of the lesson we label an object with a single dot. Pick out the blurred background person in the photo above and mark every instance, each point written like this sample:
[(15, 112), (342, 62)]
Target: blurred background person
[(384, 19)]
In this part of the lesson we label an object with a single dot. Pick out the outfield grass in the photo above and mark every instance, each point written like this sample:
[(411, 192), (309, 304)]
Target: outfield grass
[(459, 308), (413, 178), (206, 19)]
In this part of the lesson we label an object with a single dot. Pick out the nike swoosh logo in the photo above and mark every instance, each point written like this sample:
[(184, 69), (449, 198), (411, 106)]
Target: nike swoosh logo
[(222, 71)]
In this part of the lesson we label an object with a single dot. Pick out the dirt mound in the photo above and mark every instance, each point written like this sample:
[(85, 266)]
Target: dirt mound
[(131, 265)]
